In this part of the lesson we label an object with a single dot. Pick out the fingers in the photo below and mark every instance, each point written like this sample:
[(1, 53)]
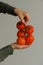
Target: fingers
[(21, 17), (18, 47), (22, 47), (24, 18)]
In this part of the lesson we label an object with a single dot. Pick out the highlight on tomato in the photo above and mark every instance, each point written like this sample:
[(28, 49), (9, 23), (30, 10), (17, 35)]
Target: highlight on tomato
[(20, 25), (20, 34), (21, 41), (29, 29), (29, 39)]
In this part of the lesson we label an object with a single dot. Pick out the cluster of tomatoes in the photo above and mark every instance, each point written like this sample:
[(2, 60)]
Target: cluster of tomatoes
[(24, 34)]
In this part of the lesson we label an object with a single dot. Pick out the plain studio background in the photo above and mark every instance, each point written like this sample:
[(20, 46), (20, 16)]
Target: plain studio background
[(8, 30)]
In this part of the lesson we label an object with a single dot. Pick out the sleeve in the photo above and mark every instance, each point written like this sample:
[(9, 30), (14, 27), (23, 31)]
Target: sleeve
[(6, 8), (5, 52)]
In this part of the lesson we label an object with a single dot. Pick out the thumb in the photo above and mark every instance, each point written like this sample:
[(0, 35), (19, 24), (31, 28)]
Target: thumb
[(21, 18)]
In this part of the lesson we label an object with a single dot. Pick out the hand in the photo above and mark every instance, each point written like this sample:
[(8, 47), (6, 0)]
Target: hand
[(16, 46), (23, 15)]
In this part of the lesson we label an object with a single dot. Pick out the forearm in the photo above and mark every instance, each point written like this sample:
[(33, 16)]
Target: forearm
[(5, 52), (6, 8)]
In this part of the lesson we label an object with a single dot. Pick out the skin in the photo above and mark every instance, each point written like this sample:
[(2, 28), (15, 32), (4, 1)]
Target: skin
[(24, 17), (18, 47)]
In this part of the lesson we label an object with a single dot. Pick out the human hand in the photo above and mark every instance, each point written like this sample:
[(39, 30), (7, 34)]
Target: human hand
[(16, 46), (23, 15)]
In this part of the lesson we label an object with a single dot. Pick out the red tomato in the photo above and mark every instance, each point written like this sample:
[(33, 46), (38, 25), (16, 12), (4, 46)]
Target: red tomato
[(29, 29), (21, 34), (20, 25), (29, 39), (21, 40)]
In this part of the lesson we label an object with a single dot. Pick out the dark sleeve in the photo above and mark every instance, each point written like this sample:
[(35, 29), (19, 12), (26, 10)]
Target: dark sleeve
[(6, 8), (5, 52)]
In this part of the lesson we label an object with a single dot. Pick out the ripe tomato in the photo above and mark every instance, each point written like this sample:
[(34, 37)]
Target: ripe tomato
[(21, 40), (20, 25), (21, 34), (29, 29), (29, 39)]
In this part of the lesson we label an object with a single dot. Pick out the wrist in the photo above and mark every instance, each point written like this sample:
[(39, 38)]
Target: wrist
[(13, 45), (16, 10)]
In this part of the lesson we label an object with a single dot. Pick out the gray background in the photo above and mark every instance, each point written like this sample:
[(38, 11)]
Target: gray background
[(34, 54)]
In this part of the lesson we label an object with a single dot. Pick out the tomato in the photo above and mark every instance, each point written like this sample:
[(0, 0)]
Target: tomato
[(29, 39), (20, 33), (20, 25), (29, 29), (21, 40)]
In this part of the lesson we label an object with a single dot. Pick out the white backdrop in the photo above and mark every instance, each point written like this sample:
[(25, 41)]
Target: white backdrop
[(34, 54)]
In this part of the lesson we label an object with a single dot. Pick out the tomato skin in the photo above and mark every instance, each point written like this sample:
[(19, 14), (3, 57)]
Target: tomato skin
[(21, 34), (29, 29), (20, 25), (21, 40), (29, 39)]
